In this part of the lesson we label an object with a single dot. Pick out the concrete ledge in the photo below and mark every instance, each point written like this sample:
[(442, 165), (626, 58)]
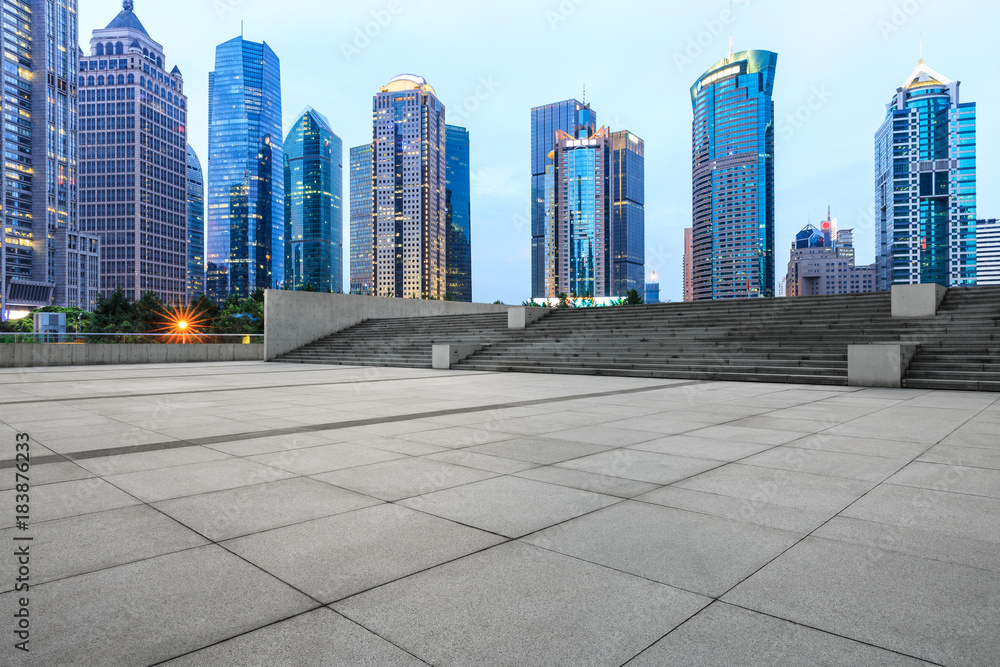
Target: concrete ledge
[(41, 354), (879, 365), (445, 356), (294, 319), (520, 317), (917, 300)]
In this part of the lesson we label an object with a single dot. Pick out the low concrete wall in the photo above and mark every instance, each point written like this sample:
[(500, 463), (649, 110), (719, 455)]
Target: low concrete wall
[(41, 354), (294, 319), (917, 300), (519, 317), (443, 357), (879, 365)]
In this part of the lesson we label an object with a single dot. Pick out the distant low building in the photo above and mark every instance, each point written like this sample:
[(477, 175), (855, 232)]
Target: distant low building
[(816, 268), (988, 252), (652, 290)]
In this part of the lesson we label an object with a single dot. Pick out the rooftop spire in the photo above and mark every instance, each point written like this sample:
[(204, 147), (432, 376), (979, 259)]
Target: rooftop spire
[(732, 20), (128, 5), (921, 48)]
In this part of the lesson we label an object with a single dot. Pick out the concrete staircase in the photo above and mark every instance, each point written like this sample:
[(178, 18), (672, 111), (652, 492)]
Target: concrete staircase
[(402, 342), (802, 340)]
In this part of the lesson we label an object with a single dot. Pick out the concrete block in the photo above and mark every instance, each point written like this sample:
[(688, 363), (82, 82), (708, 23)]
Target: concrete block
[(521, 317), (445, 356), (879, 365), (917, 300)]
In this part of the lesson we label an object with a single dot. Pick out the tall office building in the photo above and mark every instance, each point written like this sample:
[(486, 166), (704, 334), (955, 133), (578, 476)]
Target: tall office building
[(733, 178), (652, 295), (570, 117), (133, 161), (458, 202), (988, 252), (246, 181), (362, 221), (577, 251), (688, 257), (196, 226), (628, 223), (48, 258), (925, 185), (409, 190), (314, 212)]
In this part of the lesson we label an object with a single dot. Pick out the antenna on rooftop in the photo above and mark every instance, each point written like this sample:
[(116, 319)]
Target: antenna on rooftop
[(584, 93), (921, 48), (732, 19)]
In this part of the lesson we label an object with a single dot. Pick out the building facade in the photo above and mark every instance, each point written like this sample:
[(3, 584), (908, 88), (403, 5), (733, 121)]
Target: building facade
[(458, 200), (988, 252), (196, 226), (925, 185), (570, 117), (733, 178), (577, 249), (362, 221), (133, 166), (409, 189), (628, 221), (652, 295), (314, 210), (818, 267), (245, 247), (686, 264), (48, 258)]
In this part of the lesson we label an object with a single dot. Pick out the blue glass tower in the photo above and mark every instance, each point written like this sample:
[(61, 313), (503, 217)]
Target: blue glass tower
[(628, 222), (245, 171), (733, 178), (458, 201), (314, 213), (570, 117), (362, 221), (925, 185), (196, 226)]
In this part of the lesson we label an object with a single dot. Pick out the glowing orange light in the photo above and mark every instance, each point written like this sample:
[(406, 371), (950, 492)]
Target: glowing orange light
[(184, 324)]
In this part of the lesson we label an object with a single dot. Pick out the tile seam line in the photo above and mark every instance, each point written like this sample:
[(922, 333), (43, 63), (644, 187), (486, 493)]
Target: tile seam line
[(211, 391), (333, 426)]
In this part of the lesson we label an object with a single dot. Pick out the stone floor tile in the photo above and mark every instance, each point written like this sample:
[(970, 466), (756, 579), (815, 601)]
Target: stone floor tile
[(642, 466), (178, 481), (588, 481), (315, 460), (395, 480)]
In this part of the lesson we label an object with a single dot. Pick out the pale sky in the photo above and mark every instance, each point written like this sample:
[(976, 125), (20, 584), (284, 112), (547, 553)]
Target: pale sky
[(839, 64)]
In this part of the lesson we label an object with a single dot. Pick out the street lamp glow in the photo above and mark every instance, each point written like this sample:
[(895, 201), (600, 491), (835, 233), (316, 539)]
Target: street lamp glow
[(182, 325)]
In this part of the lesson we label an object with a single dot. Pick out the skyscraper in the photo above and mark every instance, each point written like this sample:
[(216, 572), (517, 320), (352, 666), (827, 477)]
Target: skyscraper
[(314, 213), (570, 117), (196, 226), (687, 259), (577, 252), (820, 265), (988, 252), (246, 180), (48, 258), (409, 190), (733, 178), (652, 295), (628, 223), (362, 221), (458, 202), (134, 179), (925, 185)]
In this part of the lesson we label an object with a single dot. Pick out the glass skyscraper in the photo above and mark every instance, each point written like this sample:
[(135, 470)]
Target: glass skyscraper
[(570, 117), (628, 223), (314, 215), (362, 221), (925, 185), (733, 178), (409, 190), (48, 258), (133, 161), (577, 252), (458, 202), (246, 181), (196, 226)]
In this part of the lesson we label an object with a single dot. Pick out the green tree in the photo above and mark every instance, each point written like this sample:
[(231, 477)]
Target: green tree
[(632, 298)]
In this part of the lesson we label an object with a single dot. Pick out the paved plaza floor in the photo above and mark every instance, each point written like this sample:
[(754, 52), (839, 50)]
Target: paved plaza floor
[(268, 514)]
